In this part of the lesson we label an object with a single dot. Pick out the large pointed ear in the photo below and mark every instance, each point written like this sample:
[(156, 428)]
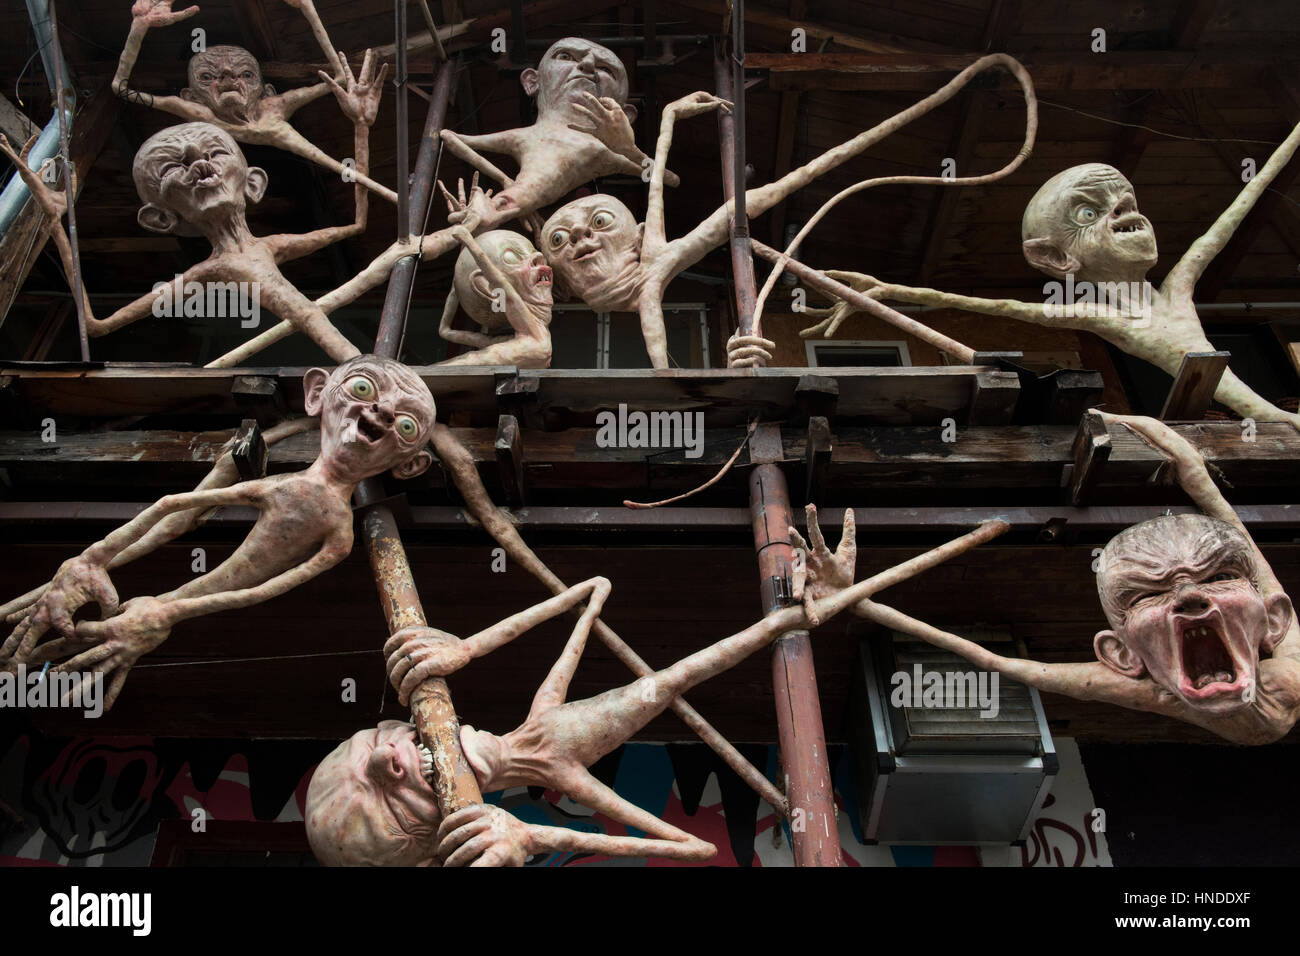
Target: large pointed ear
[(313, 390), (1280, 614), (414, 466), (531, 81), (1046, 256), (268, 89), (1118, 656), (479, 283), (631, 112), (255, 184), (188, 96), (157, 218)]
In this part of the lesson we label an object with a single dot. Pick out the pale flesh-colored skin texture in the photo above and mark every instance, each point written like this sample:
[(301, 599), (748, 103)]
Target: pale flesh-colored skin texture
[(583, 130), (375, 415), (1085, 221), (1200, 628), (226, 89), (194, 175), (624, 266), (357, 802), (500, 270)]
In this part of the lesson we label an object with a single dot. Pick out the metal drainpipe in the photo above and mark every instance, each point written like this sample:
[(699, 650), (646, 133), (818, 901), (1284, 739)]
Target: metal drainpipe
[(16, 193)]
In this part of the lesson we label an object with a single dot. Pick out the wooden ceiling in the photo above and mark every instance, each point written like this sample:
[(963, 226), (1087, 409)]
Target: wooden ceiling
[(1193, 70)]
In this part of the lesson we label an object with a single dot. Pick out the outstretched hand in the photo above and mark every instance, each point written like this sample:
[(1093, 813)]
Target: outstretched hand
[(463, 210), (359, 98), (606, 121), (818, 573), (418, 653), (832, 318), (78, 582), (158, 13), (53, 202)]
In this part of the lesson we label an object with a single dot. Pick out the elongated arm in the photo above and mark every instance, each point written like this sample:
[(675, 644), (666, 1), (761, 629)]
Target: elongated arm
[(1085, 681), (293, 100), (332, 551), (666, 840), (418, 653), (1183, 277), (146, 14), (473, 339), (308, 10), (655, 237), (104, 551)]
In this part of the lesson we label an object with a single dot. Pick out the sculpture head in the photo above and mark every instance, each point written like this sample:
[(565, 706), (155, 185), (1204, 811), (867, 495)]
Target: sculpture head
[(193, 174), (571, 67), (590, 240), (368, 803), (1181, 595), (1085, 221), (523, 266), (376, 415), (228, 81)]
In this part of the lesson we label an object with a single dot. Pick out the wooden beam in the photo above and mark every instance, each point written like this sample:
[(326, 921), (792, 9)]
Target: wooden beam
[(14, 123), (28, 233), (1090, 452), (1190, 20), (1194, 386), (817, 459), (510, 460), (1118, 70)]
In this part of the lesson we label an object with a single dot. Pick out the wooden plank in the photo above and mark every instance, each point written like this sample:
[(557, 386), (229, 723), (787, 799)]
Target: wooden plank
[(817, 459), (510, 461), (1194, 386), (994, 399), (1091, 451)]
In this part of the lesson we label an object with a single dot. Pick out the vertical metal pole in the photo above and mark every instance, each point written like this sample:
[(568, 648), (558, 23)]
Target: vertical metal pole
[(802, 740), (400, 117), (69, 189), (392, 319), (432, 711)]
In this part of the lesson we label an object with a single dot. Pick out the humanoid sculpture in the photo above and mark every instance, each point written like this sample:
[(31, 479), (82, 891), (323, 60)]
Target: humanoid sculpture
[(1083, 226), (1200, 628), (612, 263), (504, 285), (226, 89), (194, 175), (375, 414), (583, 130), (369, 801)]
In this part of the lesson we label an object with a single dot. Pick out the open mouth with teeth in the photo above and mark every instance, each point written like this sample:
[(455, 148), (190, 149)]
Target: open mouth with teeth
[(1208, 667), (203, 175), (1127, 226), (544, 276)]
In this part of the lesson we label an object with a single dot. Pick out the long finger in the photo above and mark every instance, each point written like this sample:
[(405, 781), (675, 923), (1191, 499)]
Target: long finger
[(399, 662), (451, 200), (418, 675), (814, 529), (461, 817), (36, 630), (115, 686), (53, 649), (469, 851), (814, 329), (849, 537), (87, 658), (456, 836), (15, 639)]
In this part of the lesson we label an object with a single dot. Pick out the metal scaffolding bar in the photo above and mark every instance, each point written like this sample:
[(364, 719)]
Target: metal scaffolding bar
[(432, 711), (808, 786)]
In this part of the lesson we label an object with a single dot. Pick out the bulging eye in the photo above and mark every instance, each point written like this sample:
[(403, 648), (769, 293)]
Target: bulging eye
[(1085, 215), (247, 74), (602, 220), (205, 77), (1221, 576), (361, 387), (511, 257), (563, 56), (407, 427), (558, 238)]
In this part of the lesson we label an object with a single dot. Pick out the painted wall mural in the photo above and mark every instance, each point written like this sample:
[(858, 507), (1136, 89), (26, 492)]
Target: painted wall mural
[(102, 801)]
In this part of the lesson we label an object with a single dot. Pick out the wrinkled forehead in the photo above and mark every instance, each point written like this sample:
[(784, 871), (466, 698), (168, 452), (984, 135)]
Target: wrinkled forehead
[(580, 210), (177, 139), (387, 374), (1171, 544), (499, 240), (234, 58), (578, 48)]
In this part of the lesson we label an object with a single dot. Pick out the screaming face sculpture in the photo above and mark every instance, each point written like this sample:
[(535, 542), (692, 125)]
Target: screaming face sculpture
[(1200, 628), (226, 89), (193, 177), (375, 415), (583, 130), (1084, 222)]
